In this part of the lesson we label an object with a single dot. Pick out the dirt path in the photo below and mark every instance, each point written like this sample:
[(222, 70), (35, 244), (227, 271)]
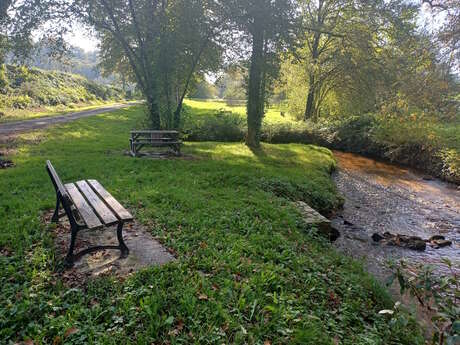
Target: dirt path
[(383, 197), (10, 128)]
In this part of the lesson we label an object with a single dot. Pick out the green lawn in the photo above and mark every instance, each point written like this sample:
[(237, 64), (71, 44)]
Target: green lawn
[(201, 107), (227, 215)]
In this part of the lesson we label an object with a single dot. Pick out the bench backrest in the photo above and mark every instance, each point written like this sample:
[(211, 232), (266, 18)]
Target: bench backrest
[(58, 185)]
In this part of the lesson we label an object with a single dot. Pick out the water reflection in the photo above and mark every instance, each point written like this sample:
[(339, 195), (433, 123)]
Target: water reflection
[(384, 197)]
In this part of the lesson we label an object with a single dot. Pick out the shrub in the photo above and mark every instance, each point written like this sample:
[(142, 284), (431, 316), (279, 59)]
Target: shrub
[(437, 293), (21, 102), (48, 88), (450, 159), (3, 79), (223, 126)]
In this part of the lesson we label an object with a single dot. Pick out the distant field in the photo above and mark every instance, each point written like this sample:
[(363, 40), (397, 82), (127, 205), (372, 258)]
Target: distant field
[(205, 107)]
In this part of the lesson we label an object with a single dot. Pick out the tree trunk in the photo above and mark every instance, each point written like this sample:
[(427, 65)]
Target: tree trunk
[(154, 112), (255, 95), (310, 108)]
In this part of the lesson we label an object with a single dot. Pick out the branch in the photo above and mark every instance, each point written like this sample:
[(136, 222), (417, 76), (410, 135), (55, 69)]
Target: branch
[(434, 4)]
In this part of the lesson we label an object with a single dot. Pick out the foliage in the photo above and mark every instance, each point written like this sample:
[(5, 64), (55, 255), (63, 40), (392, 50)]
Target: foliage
[(423, 143), (449, 33), (221, 126), (438, 293), (167, 46), (266, 26), (231, 84), (31, 87), (246, 272), (22, 19), (203, 90), (366, 58)]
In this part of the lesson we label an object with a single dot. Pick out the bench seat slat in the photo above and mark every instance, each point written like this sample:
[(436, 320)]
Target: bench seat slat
[(111, 202), (104, 213), (86, 212)]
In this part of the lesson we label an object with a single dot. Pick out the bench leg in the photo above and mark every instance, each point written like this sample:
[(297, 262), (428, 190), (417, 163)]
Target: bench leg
[(55, 217), (123, 247), (70, 258)]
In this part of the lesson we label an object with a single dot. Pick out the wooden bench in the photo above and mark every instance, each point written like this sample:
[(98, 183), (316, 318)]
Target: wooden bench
[(88, 206), (140, 139)]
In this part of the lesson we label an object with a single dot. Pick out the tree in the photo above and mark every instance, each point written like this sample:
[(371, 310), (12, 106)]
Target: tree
[(231, 83), (264, 25), (20, 18), (341, 54), (167, 43), (449, 33)]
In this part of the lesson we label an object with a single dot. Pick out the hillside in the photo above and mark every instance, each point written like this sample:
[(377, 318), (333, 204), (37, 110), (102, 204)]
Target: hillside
[(31, 90)]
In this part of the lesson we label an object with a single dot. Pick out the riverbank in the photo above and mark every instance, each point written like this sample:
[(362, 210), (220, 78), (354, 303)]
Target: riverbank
[(426, 145)]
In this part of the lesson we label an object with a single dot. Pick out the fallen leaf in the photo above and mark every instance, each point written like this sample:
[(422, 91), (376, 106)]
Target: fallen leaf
[(203, 297), (180, 325), (71, 331)]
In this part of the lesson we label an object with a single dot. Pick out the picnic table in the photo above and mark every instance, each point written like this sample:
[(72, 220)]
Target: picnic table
[(154, 138)]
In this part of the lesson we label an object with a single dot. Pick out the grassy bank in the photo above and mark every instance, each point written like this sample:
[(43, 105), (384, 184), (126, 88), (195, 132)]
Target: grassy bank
[(247, 270), (32, 92), (425, 144)]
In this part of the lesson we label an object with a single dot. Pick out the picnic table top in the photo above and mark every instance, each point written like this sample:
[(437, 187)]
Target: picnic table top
[(153, 131)]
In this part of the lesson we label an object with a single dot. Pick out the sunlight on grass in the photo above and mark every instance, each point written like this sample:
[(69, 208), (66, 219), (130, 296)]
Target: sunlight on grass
[(226, 213), (272, 115)]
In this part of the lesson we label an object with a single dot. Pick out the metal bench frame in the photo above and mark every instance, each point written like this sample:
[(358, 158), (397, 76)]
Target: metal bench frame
[(71, 211)]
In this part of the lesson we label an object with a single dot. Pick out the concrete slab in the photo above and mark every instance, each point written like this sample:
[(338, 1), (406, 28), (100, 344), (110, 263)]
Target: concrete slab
[(145, 251), (312, 218)]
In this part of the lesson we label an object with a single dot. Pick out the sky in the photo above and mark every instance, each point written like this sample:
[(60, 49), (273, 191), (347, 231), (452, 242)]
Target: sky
[(88, 42), (82, 38)]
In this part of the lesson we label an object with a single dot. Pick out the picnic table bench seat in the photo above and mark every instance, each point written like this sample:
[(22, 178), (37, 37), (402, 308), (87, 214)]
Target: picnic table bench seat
[(153, 138), (88, 206)]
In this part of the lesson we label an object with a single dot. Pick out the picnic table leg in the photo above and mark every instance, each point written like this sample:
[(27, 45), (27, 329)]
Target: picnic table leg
[(123, 247), (177, 149)]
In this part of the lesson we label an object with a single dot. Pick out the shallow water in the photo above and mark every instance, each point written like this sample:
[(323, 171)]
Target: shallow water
[(384, 197)]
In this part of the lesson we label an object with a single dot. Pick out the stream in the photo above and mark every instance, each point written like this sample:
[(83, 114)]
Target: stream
[(381, 197)]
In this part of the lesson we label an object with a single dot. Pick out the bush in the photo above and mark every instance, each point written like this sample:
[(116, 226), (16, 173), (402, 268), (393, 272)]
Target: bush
[(21, 102), (3, 79), (34, 87), (223, 126), (450, 161), (421, 143)]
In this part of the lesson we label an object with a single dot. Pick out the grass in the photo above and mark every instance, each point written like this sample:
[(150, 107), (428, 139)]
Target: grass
[(427, 144), (272, 116), (247, 270)]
